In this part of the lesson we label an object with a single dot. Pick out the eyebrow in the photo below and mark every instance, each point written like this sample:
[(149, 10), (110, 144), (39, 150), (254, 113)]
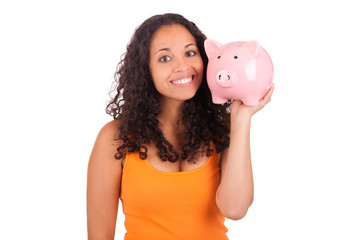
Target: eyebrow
[(168, 49), (190, 44)]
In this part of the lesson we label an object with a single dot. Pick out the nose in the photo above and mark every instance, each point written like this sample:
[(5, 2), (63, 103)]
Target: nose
[(223, 76), (181, 65)]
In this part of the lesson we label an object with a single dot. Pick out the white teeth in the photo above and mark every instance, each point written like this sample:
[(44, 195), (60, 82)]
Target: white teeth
[(182, 81)]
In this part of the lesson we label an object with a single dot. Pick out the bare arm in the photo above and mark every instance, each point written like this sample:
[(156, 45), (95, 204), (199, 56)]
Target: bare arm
[(236, 189), (103, 185)]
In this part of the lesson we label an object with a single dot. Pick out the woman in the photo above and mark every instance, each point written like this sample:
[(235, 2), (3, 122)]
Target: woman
[(179, 163)]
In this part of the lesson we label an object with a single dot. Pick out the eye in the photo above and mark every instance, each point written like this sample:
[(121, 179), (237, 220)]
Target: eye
[(236, 56), (165, 59), (219, 56), (190, 53)]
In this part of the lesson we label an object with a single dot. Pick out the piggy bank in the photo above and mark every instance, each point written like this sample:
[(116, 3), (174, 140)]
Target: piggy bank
[(238, 70)]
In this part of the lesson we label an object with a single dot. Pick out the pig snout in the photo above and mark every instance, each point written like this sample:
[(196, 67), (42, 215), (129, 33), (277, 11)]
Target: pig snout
[(224, 79), (223, 76)]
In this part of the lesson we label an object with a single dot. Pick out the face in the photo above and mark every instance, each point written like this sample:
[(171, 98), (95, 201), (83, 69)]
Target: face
[(175, 63)]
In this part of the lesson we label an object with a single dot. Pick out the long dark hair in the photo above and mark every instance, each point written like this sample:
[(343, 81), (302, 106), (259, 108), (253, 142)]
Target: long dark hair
[(137, 102)]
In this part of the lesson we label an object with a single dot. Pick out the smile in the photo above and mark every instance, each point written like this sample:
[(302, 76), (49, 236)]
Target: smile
[(182, 82)]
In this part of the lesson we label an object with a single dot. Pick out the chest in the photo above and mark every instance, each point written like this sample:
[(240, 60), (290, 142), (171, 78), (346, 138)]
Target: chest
[(179, 166), (149, 185)]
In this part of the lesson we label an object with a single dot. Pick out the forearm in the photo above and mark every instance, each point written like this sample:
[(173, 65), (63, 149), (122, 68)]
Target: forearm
[(235, 192)]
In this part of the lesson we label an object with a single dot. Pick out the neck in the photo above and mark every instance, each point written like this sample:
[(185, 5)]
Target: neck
[(170, 113)]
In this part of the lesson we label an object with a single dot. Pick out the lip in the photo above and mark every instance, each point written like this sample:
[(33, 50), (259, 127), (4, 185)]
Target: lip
[(185, 80)]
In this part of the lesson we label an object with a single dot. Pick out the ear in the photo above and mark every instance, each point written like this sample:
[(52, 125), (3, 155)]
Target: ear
[(211, 48), (254, 48)]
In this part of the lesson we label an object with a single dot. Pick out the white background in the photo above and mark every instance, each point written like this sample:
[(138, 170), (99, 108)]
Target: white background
[(57, 60)]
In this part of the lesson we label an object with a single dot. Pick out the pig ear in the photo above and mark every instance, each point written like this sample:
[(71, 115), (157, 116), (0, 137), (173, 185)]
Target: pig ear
[(211, 48), (254, 47)]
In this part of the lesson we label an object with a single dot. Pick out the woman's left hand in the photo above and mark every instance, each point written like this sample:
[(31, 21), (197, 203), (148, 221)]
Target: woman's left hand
[(240, 110)]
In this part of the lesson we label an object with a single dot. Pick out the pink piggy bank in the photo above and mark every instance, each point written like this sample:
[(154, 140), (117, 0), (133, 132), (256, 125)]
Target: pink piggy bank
[(238, 70)]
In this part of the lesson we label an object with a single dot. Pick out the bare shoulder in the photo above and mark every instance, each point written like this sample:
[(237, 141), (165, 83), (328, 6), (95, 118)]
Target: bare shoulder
[(106, 142), (103, 183), (109, 130)]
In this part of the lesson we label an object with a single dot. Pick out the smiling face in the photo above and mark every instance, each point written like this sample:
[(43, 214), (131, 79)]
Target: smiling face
[(175, 63)]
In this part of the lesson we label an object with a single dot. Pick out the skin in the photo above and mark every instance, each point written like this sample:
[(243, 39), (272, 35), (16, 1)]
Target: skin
[(173, 59)]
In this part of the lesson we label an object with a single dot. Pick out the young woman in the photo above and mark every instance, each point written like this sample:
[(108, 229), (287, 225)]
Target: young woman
[(179, 163)]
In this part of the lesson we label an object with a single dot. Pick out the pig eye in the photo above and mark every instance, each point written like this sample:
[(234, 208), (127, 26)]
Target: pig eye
[(219, 56), (236, 56)]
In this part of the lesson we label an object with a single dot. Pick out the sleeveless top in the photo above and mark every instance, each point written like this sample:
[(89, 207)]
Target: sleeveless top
[(171, 205)]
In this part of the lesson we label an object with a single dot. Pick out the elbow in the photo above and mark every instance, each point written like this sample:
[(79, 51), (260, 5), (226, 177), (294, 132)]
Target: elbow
[(234, 211), (234, 208), (235, 214)]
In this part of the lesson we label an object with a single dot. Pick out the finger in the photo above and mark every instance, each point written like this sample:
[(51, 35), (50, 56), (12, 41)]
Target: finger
[(269, 92), (271, 89)]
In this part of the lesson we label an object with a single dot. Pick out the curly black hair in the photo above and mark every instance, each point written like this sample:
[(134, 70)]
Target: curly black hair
[(136, 103)]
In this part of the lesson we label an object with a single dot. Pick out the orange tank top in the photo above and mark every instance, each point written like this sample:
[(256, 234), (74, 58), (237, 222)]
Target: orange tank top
[(171, 205)]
